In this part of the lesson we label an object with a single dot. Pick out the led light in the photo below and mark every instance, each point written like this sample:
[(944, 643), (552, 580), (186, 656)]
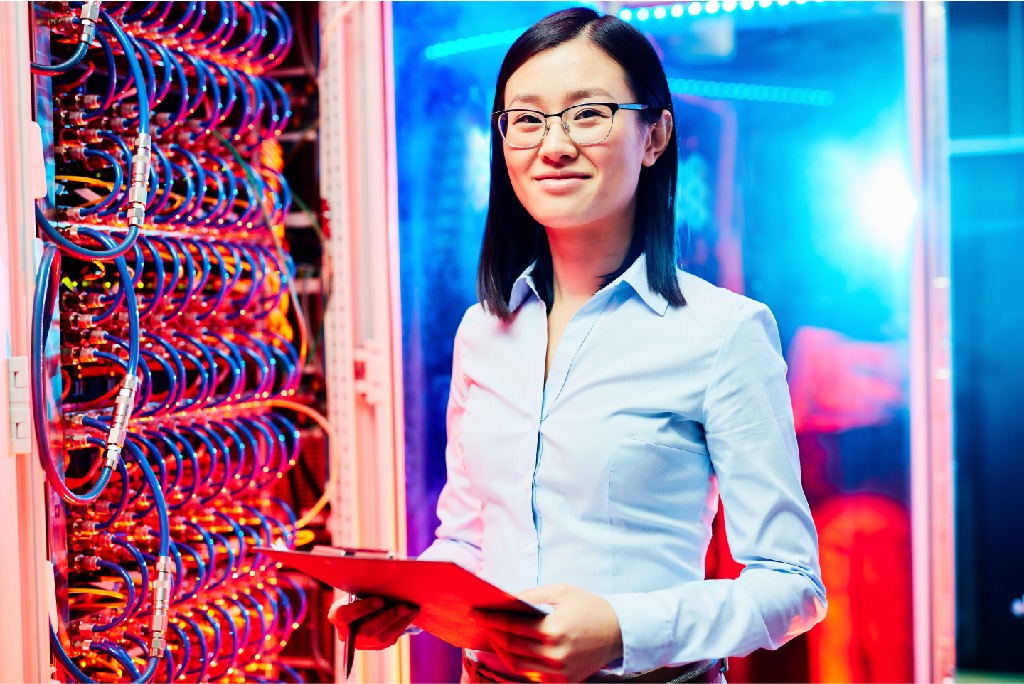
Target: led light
[(764, 3), (782, 3), (642, 14), (711, 7), (659, 12), (729, 5), (747, 4), (471, 43), (625, 14), (677, 10), (693, 8)]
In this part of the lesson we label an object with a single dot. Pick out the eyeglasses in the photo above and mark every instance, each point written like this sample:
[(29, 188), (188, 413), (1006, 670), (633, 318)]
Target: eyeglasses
[(585, 124)]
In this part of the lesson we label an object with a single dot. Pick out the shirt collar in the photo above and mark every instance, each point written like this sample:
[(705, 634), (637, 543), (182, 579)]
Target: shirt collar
[(522, 288), (635, 276)]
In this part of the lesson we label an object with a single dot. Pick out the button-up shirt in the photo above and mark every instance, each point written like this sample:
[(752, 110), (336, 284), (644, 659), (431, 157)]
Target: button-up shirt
[(607, 474)]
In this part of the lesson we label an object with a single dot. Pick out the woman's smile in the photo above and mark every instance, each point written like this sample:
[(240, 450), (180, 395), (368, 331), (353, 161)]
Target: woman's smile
[(561, 183)]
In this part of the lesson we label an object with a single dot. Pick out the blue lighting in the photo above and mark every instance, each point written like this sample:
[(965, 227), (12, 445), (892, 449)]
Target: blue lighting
[(755, 92), (696, 8), (484, 40)]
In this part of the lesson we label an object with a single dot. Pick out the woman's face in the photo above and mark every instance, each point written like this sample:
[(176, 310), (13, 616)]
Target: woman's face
[(562, 185)]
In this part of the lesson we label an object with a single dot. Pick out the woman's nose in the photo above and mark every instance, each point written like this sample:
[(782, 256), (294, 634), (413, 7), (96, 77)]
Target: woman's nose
[(557, 143)]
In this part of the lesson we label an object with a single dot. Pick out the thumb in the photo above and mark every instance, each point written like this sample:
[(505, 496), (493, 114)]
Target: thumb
[(551, 594)]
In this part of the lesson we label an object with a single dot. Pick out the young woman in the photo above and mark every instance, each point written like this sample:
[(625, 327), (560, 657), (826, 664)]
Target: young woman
[(602, 400)]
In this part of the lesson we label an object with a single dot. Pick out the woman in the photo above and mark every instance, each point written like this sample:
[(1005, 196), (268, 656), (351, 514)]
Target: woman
[(602, 400)]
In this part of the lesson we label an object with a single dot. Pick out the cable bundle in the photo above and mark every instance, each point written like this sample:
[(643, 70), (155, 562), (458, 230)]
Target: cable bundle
[(174, 294)]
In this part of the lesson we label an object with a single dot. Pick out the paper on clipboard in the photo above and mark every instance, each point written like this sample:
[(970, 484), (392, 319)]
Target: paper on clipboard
[(446, 593)]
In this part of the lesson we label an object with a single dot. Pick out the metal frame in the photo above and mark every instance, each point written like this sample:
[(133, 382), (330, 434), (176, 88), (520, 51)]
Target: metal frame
[(363, 326), (931, 437), (24, 589)]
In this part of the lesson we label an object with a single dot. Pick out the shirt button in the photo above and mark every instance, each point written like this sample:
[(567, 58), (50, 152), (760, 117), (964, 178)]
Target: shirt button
[(527, 548), (525, 485)]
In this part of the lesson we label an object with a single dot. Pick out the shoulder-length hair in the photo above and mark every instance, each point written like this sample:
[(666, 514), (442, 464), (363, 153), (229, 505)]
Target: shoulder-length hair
[(512, 238)]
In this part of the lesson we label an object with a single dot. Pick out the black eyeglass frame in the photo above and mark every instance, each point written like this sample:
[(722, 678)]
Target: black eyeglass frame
[(614, 106)]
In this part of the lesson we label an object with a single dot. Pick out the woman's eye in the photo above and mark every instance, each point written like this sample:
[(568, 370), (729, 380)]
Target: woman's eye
[(526, 119), (590, 113)]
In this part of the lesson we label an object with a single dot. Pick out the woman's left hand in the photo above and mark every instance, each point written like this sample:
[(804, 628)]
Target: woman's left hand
[(576, 640)]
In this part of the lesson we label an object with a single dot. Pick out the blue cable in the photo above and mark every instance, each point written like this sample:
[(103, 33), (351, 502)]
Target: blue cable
[(133, 65), (204, 651), (133, 551), (111, 91), (129, 588), (63, 67), (122, 503), (186, 650), (43, 302)]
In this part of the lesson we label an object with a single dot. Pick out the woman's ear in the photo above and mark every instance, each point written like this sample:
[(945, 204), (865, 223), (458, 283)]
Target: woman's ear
[(657, 138)]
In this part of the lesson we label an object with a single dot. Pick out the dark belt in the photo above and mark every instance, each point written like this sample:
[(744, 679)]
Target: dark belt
[(700, 672)]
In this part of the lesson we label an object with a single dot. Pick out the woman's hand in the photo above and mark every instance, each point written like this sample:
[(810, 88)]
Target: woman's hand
[(383, 623), (577, 639)]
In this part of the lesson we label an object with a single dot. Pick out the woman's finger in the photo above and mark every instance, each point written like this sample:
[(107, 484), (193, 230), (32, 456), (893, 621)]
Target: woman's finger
[(341, 612), (494, 621), (375, 626), (405, 616)]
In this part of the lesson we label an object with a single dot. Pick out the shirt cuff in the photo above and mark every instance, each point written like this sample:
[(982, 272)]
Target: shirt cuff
[(645, 621)]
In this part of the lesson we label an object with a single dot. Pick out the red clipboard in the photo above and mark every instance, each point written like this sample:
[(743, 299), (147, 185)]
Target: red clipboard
[(446, 593)]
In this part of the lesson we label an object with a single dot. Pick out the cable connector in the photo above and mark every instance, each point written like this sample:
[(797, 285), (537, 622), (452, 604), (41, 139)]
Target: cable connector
[(90, 15), (73, 356), (123, 405), (84, 628), (161, 604), (84, 528), (141, 159), (138, 183), (73, 421), (77, 321), (75, 152), (87, 563), (75, 440)]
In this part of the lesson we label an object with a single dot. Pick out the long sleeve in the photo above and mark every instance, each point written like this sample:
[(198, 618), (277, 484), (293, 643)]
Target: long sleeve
[(459, 536), (748, 427)]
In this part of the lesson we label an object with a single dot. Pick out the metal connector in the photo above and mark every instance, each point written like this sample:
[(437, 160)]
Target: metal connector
[(123, 405), (76, 440), (90, 14), (161, 604), (87, 563), (136, 215)]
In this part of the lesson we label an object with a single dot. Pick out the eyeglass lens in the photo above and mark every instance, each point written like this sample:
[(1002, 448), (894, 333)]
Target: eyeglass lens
[(587, 124)]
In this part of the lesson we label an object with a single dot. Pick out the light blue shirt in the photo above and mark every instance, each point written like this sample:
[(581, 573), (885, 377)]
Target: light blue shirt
[(607, 475)]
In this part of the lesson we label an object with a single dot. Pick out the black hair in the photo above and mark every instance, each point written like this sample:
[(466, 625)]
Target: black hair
[(512, 238)]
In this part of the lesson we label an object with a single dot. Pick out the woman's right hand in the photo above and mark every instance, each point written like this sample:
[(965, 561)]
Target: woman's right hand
[(383, 625)]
